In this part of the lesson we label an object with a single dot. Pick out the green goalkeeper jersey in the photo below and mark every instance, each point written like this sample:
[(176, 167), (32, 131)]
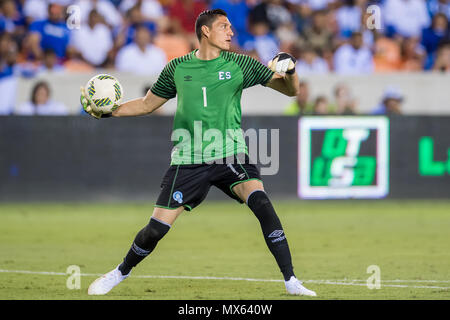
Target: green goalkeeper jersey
[(207, 123)]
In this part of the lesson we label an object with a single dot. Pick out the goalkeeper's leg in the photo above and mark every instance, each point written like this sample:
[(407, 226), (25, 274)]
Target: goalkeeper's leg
[(143, 244), (252, 192)]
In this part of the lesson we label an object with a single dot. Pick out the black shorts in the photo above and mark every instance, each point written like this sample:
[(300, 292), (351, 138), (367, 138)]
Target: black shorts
[(188, 185)]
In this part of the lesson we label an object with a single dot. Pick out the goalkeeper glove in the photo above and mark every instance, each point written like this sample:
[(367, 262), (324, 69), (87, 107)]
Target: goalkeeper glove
[(87, 103), (283, 63)]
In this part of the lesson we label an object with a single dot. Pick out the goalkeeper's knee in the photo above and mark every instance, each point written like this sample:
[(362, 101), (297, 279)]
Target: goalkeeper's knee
[(149, 236), (259, 203)]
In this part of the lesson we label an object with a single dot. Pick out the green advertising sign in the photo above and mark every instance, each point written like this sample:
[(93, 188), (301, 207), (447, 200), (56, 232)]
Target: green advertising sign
[(428, 165), (345, 157)]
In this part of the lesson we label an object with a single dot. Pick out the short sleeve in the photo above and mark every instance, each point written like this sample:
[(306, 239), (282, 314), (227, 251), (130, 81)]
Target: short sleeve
[(165, 87), (254, 72)]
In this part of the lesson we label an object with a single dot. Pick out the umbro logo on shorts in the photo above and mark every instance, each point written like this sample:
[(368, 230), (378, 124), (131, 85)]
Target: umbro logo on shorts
[(240, 176), (187, 78)]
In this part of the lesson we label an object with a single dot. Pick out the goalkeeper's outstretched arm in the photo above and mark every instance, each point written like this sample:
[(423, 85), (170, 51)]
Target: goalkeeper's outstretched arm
[(135, 107), (140, 106)]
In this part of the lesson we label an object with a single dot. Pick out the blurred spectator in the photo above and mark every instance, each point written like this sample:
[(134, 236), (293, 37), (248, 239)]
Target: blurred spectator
[(281, 27), (332, 24), (174, 45), (288, 35), (271, 11), (317, 35), (184, 13), (301, 105), (280, 21), (237, 11), (151, 10), (49, 34), (413, 55), (310, 63), (104, 7), (261, 41), (391, 103), (319, 4), (35, 10), (321, 106), (94, 34), (442, 62), (387, 55), (439, 6), (141, 57), (74, 63), (41, 104), (11, 20), (48, 64), (432, 36), (353, 58), (405, 18), (8, 79), (127, 32), (349, 17), (301, 13), (344, 102)]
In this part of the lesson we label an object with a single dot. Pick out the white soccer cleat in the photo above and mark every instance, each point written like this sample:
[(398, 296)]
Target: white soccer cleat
[(105, 283), (294, 286)]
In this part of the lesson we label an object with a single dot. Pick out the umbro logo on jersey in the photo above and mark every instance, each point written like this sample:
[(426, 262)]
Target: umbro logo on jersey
[(188, 78)]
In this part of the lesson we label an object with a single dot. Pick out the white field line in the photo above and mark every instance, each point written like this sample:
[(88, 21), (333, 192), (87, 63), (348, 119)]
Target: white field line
[(342, 282)]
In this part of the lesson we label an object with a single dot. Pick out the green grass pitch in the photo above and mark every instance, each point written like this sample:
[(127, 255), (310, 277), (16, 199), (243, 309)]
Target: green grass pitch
[(332, 244)]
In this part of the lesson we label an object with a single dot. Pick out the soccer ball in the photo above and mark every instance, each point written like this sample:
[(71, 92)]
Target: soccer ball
[(105, 92)]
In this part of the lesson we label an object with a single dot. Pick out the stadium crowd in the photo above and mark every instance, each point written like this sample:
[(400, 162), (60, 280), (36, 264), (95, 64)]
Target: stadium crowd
[(141, 36)]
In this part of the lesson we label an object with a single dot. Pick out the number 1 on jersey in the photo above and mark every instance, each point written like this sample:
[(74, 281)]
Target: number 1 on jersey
[(205, 101)]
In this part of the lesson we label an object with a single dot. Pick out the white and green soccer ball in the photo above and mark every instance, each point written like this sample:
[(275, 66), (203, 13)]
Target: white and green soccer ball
[(105, 92)]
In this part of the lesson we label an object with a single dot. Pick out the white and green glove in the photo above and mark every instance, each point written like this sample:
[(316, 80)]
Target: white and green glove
[(87, 103), (283, 63)]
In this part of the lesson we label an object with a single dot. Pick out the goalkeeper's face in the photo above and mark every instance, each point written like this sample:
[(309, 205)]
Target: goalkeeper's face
[(220, 33)]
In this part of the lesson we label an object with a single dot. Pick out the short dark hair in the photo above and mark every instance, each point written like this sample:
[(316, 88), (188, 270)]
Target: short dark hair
[(206, 18)]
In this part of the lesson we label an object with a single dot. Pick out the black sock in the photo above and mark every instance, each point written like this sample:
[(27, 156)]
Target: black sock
[(143, 244), (272, 230)]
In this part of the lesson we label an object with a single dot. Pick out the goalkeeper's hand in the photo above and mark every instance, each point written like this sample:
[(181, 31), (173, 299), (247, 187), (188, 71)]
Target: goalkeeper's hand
[(86, 102), (283, 63)]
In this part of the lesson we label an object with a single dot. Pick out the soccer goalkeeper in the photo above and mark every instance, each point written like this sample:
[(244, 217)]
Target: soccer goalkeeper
[(209, 83)]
